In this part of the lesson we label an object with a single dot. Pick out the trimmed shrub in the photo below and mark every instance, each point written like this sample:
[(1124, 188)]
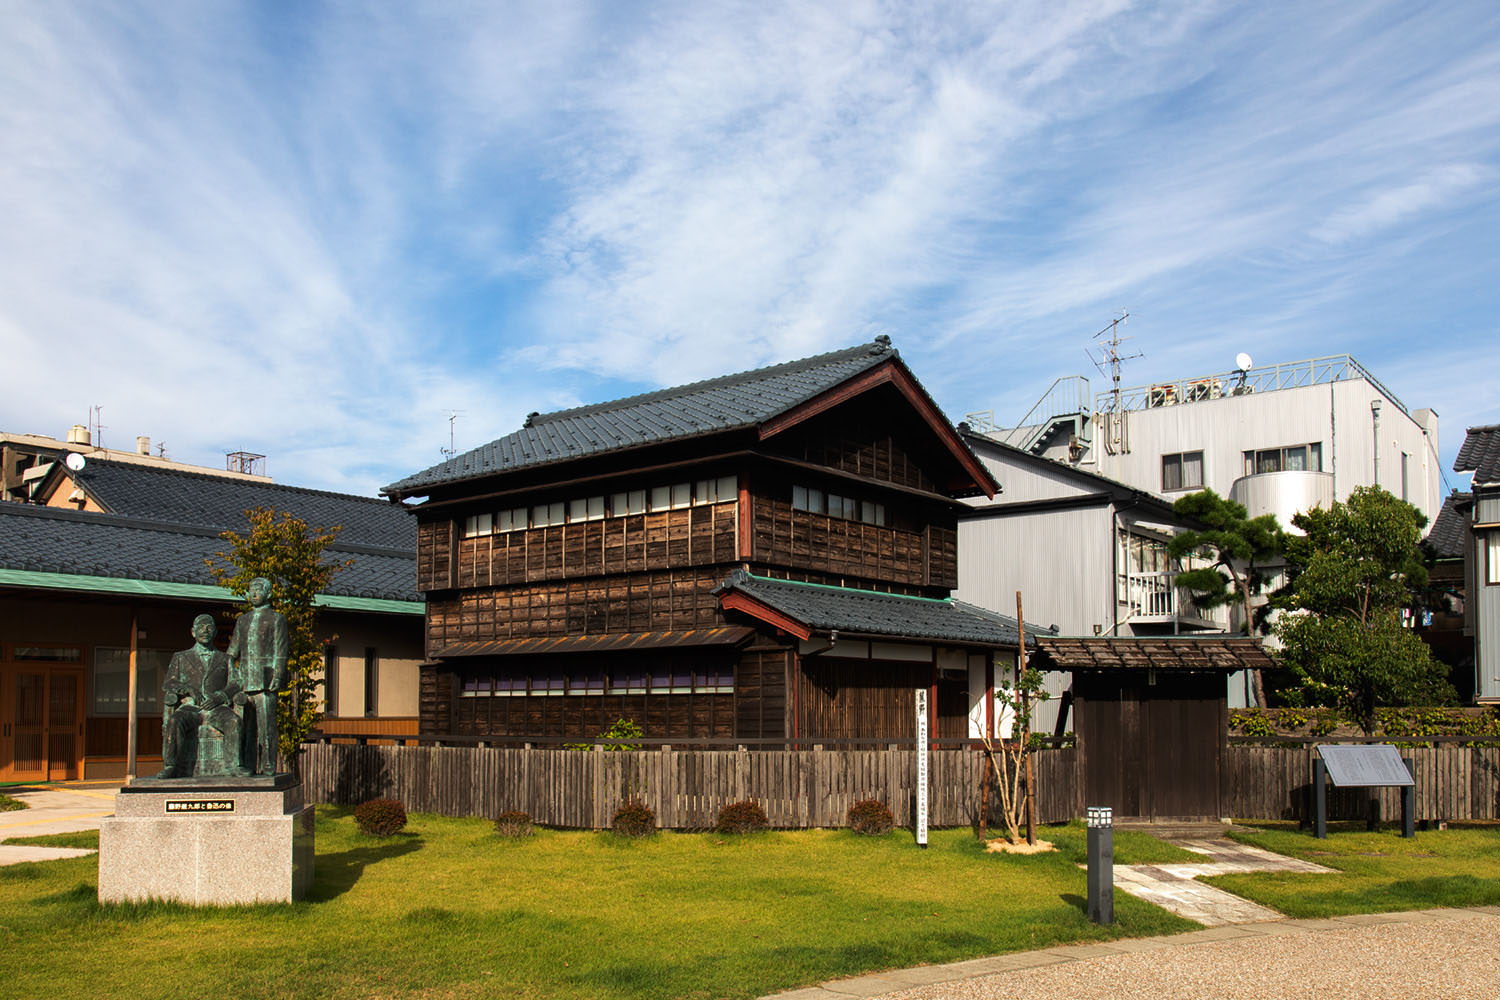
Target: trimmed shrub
[(870, 817), (8, 804), (514, 824), (742, 817), (380, 817), (634, 819)]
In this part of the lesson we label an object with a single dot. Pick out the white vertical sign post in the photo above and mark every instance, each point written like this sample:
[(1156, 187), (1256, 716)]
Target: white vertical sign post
[(921, 767)]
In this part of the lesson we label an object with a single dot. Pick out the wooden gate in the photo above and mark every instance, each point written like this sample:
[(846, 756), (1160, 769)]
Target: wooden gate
[(1152, 742)]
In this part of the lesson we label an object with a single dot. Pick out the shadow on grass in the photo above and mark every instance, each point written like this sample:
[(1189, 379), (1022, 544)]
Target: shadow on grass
[(336, 873), (1079, 903)]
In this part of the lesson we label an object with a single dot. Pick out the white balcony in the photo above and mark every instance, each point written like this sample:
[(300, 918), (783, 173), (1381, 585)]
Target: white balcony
[(1156, 598), (1283, 493)]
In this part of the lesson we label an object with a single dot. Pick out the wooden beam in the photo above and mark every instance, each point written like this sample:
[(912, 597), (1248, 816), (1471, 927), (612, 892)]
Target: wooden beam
[(733, 600)]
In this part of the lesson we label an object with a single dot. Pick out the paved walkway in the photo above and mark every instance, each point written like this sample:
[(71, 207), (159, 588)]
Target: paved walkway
[(1453, 954), (68, 808), (1175, 887)]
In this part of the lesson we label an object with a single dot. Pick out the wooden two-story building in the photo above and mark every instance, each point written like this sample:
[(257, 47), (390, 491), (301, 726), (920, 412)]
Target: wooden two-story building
[(765, 555)]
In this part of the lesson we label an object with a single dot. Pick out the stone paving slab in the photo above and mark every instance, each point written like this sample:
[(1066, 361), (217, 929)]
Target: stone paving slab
[(16, 854), (52, 809)]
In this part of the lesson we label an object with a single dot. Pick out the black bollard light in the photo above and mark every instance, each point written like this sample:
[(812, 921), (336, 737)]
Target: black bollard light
[(1101, 823)]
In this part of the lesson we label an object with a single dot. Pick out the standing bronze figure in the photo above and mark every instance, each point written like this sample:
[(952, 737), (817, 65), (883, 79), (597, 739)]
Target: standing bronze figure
[(258, 652)]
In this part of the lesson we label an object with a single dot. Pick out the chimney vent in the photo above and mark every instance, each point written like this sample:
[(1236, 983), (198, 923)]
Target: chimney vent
[(143, 445)]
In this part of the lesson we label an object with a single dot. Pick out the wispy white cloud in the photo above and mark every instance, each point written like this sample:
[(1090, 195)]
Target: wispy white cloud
[(312, 231)]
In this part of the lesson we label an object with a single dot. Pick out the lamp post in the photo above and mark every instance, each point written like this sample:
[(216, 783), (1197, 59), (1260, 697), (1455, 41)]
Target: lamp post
[(1101, 825)]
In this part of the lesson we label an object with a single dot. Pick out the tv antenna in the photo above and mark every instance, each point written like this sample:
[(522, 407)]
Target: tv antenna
[(452, 449), (1110, 360), (96, 414)]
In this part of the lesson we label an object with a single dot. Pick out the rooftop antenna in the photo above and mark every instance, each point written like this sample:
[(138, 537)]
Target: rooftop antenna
[(452, 449), (95, 417), (1110, 360)]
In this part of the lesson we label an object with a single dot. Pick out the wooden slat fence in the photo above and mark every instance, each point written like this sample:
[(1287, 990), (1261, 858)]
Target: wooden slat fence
[(686, 788), (1453, 783)]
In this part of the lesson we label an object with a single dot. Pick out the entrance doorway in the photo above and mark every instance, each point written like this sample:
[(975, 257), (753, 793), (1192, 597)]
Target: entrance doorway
[(41, 716)]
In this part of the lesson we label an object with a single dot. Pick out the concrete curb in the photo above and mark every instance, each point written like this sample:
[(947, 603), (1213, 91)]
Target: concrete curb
[(891, 981)]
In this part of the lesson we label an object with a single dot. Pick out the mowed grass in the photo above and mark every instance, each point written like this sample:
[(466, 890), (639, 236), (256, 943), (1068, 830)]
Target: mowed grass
[(1376, 872), (450, 909)]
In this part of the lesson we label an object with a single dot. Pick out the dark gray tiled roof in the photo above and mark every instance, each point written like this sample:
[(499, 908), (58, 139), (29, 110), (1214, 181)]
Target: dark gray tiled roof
[(1481, 454), (867, 612), (78, 543), (177, 497), (718, 404), (1450, 532)]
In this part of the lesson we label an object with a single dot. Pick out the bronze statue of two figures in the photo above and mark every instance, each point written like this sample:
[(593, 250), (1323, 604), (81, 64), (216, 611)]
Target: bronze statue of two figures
[(219, 709)]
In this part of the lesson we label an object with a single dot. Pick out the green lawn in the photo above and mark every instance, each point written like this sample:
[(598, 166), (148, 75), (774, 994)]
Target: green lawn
[(450, 909), (8, 804), (1377, 872)]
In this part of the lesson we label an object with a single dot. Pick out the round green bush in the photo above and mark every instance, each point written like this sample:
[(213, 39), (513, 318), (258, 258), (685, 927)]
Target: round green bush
[(870, 817), (514, 824), (634, 819), (380, 817), (742, 817)]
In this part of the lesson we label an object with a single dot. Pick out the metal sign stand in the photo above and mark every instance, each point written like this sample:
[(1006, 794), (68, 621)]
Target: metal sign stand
[(1363, 767), (921, 767)]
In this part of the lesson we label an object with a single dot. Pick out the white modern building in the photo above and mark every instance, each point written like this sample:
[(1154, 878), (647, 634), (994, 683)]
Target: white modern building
[(1084, 517)]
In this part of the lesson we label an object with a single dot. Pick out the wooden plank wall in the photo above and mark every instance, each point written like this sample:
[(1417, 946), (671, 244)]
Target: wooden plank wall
[(642, 602), (1453, 784), (685, 788), (836, 546)]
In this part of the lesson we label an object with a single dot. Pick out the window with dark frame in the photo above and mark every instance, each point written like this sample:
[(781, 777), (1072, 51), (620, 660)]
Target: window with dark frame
[(1182, 471), (1291, 458), (372, 682), (331, 681), (1492, 560)]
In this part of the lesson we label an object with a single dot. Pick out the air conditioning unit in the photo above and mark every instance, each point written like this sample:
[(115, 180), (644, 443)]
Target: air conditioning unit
[(1162, 395), (1204, 389)]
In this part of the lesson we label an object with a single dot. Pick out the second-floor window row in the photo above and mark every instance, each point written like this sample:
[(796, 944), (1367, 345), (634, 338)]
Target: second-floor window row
[(815, 501), (1292, 458), (597, 508)]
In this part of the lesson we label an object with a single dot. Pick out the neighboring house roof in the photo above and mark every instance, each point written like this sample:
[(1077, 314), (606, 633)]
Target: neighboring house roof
[(1450, 531), (1480, 454), (77, 550), (192, 498), (1101, 487), (730, 402), (805, 608), (1156, 653)]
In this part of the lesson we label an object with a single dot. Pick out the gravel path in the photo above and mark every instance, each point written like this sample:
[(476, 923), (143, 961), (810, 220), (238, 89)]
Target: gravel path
[(1453, 955)]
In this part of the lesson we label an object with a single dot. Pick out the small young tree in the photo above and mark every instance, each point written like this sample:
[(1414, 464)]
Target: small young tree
[(1351, 573), (289, 553), (1016, 702), (1236, 546)]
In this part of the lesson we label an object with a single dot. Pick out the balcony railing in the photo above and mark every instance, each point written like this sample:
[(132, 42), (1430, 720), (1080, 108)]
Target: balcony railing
[(1149, 595)]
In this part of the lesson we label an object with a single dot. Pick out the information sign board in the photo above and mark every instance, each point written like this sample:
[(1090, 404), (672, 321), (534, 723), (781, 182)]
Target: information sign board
[(922, 767), (1377, 766)]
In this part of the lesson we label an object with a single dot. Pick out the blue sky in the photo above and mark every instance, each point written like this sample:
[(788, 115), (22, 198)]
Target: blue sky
[(313, 230)]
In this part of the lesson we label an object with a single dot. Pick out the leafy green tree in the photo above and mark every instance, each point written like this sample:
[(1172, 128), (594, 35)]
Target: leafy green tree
[(289, 553), (1356, 566), (1236, 547)]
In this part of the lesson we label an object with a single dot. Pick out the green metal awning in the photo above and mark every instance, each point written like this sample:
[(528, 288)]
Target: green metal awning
[(200, 591)]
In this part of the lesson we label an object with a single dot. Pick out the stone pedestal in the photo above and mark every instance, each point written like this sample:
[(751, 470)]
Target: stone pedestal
[(207, 841)]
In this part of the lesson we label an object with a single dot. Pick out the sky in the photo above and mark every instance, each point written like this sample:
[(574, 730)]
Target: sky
[(317, 231)]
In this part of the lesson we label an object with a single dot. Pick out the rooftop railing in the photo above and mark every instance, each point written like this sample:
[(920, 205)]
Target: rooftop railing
[(1266, 378)]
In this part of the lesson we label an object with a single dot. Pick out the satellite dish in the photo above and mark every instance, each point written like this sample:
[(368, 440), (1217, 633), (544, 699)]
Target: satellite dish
[(74, 461), (1242, 361)]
